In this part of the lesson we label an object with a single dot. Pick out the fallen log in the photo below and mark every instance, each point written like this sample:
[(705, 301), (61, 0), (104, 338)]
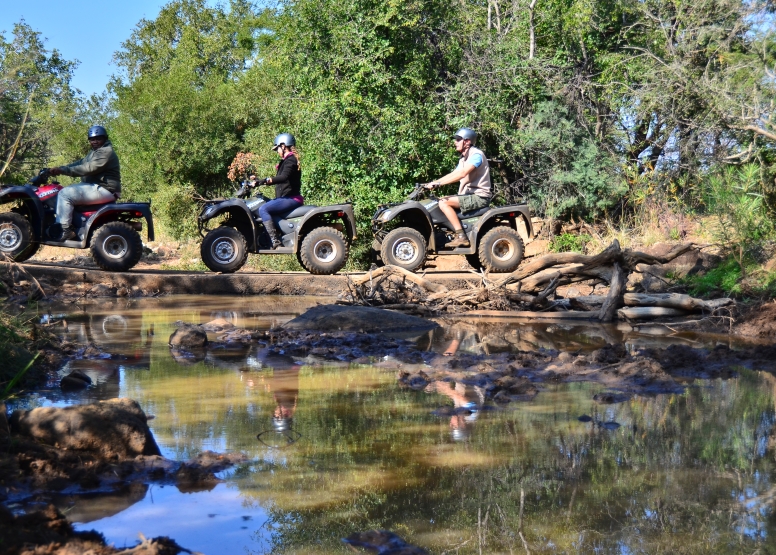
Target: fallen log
[(643, 312), (409, 276), (667, 300), (613, 301)]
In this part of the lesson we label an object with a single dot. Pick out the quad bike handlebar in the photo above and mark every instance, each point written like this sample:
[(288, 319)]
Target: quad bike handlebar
[(41, 178), (420, 192)]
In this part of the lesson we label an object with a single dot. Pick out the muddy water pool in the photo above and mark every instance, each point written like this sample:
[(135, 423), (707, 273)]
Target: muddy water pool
[(337, 449)]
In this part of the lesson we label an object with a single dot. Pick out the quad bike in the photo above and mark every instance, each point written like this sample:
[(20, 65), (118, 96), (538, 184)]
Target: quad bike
[(320, 236), (110, 229), (404, 233)]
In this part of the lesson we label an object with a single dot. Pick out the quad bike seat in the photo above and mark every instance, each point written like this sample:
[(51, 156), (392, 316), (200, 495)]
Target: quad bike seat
[(474, 213), (89, 209), (299, 211)]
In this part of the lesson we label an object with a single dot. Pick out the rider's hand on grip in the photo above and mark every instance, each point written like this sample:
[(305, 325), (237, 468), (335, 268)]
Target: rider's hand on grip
[(54, 171)]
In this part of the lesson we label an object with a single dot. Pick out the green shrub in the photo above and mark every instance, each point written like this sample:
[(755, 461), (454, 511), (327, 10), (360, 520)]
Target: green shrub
[(726, 278), (567, 242)]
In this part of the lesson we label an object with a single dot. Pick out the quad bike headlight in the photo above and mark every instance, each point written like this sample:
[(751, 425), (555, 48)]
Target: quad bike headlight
[(385, 216)]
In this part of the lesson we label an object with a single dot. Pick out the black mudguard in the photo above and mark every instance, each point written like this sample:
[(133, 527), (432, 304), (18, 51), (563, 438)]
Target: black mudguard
[(26, 194), (237, 209)]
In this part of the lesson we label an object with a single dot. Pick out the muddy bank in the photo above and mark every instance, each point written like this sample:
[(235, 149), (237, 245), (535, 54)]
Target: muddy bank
[(85, 450)]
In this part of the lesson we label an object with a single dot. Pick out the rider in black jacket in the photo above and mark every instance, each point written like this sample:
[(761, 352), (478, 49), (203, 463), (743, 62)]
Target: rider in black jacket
[(287, 182)]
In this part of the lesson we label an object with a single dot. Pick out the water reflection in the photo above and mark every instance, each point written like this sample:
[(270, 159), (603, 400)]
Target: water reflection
[(345, 450)]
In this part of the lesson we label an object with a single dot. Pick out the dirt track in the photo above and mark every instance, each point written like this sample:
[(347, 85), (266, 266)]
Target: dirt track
[(90, 282)]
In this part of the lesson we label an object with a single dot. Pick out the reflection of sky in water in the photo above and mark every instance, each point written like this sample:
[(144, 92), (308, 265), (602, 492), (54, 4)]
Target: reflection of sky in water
[(369, 454), (213, 522)]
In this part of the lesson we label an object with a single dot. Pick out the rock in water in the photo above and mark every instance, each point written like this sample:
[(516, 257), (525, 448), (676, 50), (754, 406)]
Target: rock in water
[(75, 380), (113, 428), (364, 319), (189, 337), (383, 542)]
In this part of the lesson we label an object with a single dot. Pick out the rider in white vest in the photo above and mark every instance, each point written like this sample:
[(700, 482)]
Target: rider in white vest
[(473, 174)]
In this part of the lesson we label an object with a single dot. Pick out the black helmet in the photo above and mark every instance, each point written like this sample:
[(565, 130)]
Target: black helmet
[(96, 131), (284, 139), (466, 133)]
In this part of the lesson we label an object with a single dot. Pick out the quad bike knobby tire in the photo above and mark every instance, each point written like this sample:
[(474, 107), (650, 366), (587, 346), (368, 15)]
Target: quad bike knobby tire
[(404, 247), (224, 250), (324, 251), (116, 247), (16, 237), (501, 250)]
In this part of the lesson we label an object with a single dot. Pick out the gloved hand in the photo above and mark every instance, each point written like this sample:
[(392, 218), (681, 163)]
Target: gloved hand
[(263, 181), (55, 171)]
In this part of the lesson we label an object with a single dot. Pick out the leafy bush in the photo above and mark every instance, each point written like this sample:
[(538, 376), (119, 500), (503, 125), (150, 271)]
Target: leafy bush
[(726, 278), (741, 223), (568, 242)]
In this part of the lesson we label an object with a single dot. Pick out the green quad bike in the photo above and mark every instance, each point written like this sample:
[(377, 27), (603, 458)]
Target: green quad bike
[(320, 236), (405, 233)]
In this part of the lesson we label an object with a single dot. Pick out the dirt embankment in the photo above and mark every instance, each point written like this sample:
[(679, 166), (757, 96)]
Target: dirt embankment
[(85, 449)]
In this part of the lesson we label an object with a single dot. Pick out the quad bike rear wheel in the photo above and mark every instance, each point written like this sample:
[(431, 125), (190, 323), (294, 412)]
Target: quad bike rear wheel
[(16, 237), (224, 249), (116, 247), (324, 251), (501, 250), (404, 247)]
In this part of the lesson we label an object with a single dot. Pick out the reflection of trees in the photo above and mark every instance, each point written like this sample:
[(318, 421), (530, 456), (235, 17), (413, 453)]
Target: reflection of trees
[(670, 480)]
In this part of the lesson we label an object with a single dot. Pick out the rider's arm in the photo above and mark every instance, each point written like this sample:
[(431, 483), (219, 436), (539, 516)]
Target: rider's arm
[(91, 165), (460, 172), (284, 171)]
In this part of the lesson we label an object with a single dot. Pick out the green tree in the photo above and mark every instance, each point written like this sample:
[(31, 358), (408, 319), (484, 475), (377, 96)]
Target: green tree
[(35, 101)]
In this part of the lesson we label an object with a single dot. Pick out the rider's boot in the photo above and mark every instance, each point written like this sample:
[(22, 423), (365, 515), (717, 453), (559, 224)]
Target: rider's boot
[(459, 241), (273, 233), (67, 234)]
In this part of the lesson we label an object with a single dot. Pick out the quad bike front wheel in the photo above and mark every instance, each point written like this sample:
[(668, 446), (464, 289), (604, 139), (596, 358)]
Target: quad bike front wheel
[(501, 250), (16, 238), (116, 247), (224, 250), (324, 251), (404, 247)]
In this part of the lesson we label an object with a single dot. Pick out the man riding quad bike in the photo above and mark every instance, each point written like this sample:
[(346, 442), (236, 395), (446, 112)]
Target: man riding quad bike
[(406, 232), (109, 228), (320, 236)]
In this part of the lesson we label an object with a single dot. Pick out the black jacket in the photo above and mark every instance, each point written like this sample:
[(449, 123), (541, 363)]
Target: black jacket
[(288, 181), (100, 166)]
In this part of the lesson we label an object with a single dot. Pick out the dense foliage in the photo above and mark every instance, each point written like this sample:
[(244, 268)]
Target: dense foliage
[(587, 108)]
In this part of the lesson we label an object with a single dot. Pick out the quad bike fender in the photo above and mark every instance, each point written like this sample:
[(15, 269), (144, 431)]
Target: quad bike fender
[(412, 214), (33, 207), (111, 211), (347, 216), (511, 213), (238, 213)]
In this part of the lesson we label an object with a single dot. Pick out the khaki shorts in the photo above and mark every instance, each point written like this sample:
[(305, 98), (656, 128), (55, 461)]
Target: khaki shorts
[(470, 203)]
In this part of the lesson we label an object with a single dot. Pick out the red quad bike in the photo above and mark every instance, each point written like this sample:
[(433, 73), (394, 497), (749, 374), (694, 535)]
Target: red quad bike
[(110, 229)]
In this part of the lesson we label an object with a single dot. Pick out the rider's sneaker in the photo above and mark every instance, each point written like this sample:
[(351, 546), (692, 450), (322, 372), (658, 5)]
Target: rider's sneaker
[(457, 242)]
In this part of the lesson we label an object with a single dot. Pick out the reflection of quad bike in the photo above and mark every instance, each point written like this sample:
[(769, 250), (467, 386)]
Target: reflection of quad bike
[(404, 233), (320, 236), (110, 230)]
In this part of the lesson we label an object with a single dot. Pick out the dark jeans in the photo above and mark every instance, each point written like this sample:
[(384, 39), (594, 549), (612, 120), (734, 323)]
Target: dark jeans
[(277, 206)]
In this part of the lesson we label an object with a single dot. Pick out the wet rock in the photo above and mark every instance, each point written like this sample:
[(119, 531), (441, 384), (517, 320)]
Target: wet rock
[(219, 324), (362, 319), (608, 425), (610, 398), (102, 290), (75, 380), (383, 542), (116, 428), (610, 354), (585, 418), (189, 337)]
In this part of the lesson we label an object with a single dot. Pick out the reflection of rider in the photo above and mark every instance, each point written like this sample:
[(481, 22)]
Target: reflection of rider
[(100, 180), (473, 173), (466, 397), (284, 385), (461, 337), (288, 186)]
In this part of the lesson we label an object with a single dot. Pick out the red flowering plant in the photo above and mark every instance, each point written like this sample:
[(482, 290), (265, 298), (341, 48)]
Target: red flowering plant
[(241, 167)]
